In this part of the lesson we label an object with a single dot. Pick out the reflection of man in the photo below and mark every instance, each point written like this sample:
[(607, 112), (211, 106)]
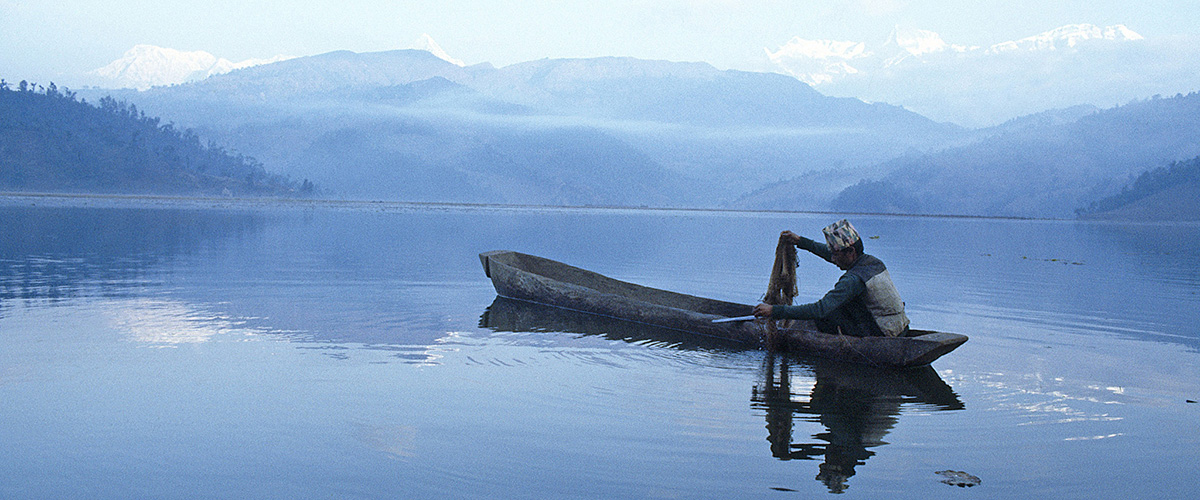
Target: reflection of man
[(864, 302), (776, 392), (854, 418)]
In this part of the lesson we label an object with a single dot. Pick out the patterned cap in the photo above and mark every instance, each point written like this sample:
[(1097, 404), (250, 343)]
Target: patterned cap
[(840, 235)]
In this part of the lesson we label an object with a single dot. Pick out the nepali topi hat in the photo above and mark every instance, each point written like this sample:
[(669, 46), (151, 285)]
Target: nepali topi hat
[(840, 235)]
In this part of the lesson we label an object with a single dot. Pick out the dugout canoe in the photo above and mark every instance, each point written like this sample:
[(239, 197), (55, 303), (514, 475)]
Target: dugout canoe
[(536, 279)]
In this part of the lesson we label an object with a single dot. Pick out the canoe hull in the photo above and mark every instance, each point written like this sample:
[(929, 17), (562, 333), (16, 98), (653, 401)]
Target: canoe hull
[(535, 279), (524, 277)]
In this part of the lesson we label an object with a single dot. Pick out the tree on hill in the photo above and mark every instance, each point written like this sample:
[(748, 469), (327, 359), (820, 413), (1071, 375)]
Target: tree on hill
[(1149, 183), (51, 142)]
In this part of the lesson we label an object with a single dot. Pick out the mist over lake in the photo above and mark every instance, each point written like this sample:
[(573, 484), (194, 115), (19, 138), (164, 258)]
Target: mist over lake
[(306, 349)]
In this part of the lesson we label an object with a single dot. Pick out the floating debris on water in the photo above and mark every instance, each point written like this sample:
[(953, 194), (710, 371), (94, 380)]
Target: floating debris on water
[(1063, 261), (958, 478), (1190, 400)]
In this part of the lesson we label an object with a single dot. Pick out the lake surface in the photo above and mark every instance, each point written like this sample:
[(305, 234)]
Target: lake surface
[(180, 349)]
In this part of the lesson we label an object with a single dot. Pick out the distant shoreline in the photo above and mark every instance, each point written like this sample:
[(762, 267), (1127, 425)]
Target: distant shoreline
[(203, 202)]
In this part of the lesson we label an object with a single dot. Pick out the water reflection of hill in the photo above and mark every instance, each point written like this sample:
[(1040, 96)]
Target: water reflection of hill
[(54, 253), (857, 405)]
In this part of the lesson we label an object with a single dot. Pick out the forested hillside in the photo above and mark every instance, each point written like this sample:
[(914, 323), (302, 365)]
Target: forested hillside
[(1039, 169), (51, 142), (1164, 193)]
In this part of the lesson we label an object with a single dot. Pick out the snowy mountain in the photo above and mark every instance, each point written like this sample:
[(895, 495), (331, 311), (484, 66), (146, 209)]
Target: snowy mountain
[(1067, 37), (426, 43), (145, 66), (825, 61), (905, 44), (983, 86), (818, 61)]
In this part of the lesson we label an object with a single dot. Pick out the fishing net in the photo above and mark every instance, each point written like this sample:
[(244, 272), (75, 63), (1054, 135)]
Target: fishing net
[(782, 288)]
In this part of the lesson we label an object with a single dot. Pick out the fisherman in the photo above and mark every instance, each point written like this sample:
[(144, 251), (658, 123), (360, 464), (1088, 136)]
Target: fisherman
[(864, 302)]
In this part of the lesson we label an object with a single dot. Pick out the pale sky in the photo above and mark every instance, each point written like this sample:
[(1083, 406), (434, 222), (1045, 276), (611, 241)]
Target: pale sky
[(42, 40)]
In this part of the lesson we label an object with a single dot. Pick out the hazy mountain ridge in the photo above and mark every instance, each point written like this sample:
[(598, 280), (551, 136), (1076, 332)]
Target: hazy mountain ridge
[(700, 136), (332, 73), (681, 93), (1042, 169), (408, 125)]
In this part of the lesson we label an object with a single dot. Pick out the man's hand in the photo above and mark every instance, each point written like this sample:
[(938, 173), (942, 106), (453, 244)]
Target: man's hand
[(763, 310), (790, 237)]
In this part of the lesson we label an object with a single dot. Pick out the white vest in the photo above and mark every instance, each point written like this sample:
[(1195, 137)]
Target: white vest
[(883, 301)]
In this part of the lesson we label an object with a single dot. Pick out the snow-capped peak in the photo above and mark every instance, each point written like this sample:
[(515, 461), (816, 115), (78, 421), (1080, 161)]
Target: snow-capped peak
[(818, 61), (905, 43), (1067, 37), (145, 66), (823, 61), (426, 43), (820, 49), (916, 41)]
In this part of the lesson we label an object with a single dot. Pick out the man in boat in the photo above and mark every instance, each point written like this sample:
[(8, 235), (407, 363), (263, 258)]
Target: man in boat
[(864, 302)]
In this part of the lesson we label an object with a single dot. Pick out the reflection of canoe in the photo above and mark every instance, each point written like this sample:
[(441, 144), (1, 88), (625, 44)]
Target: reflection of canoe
[(535, 279), (511, 315), (919, 386)]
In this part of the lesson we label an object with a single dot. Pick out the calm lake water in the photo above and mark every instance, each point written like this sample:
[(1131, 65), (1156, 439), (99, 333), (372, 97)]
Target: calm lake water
[(184, 349)]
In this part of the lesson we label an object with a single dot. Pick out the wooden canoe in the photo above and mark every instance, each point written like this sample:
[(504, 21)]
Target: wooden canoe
[(535, 279)]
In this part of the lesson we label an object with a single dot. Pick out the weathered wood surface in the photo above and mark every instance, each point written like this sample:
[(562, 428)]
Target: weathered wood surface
[(536, 279)]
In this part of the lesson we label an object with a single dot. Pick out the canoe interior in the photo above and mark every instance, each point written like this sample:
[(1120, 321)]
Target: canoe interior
[(569, 274)]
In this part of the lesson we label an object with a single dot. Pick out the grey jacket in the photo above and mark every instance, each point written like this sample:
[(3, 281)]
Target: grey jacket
[(866, 290)]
